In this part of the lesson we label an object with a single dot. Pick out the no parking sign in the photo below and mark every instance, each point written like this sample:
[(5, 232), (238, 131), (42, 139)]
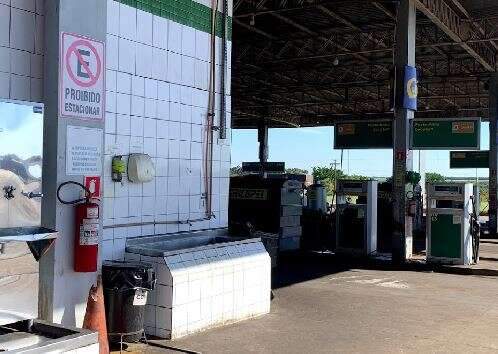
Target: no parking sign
[(82, 77)]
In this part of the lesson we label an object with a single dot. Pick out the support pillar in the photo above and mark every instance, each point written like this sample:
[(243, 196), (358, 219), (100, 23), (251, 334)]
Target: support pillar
[(263, 141), (404, 54), (63, 292), (493, 155)]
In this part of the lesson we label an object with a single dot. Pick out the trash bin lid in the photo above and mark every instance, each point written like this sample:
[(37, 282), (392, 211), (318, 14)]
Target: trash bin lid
[(127, 265), (118, 274)]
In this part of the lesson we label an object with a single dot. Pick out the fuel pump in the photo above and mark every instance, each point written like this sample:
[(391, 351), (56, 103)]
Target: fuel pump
[(86, 238), (356, 217), (452, 224)]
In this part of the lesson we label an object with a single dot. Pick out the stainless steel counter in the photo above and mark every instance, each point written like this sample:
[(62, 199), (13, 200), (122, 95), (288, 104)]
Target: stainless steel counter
[(37, 336)]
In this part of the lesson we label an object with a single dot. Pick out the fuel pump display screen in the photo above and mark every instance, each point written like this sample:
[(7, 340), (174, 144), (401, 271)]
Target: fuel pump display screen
[(451, 189), (352, 187)]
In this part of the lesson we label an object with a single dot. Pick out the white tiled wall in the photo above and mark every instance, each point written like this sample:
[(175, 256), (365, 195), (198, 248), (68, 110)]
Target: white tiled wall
[(21, 50), (207, 287), (157, 98)]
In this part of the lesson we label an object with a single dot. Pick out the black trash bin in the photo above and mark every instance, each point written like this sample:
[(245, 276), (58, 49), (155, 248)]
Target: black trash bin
[(126, 287)]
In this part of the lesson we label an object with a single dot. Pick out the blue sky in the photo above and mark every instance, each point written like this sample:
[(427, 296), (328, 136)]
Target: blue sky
[(308, 147)]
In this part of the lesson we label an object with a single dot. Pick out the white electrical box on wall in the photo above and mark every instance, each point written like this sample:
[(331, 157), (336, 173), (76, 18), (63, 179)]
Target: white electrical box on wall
[(141, 169)]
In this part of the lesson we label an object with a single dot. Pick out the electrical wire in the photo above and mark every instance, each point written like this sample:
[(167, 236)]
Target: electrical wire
[(76, 201)]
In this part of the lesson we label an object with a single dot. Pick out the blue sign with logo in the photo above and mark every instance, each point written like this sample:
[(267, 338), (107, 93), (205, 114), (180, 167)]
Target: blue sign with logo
[(411, 88)]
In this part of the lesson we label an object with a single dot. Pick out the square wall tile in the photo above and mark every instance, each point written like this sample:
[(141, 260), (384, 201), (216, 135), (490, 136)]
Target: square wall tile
[(111, 80), (188, 41), (20, 62), (175, 113), (163, 318), (161, 186), (148, 205), (175, 93), (123, 103), (163, 91), (107, 250), (151, 88), (128, 22), (123, 82), (113, 17), (186, 94), (174, 149), (163, 110), (138, 86), (39, 34), (162, 129), (174, 73), (186, 132), (150, 148), (149, 128), (159, 64), (4, 59), (186, 113), (160, 32), (137, 106), (150, 109), (144, 27), (112, 52), (119, 247), (135, 206), (4, 25), (123, 124), (175, 37), (127, 51), (162, 148), (136, 145), (22, 30), (137, 126), (149, 189), (36, 66), (143, 60), (20, 88), (202, 43)]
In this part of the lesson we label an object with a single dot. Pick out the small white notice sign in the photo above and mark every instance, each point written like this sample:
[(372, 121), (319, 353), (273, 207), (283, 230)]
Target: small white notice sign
[(84, 151), (140, 298)]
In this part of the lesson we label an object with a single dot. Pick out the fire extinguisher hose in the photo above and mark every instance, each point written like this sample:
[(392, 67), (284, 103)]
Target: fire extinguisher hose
[(76, 201)]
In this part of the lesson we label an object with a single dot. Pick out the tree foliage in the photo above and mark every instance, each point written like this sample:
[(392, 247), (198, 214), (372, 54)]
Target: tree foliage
[(434, 177), (296, 171), (328, 175), (236, 171)]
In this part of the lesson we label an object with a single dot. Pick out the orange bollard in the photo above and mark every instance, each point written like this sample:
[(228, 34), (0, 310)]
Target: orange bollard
[(95, 315)]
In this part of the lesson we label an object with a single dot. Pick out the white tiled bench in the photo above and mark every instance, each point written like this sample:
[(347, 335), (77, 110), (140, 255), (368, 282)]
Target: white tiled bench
[(204, 287)]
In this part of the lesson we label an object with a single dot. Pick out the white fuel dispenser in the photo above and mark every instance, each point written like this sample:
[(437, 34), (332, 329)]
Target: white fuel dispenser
[(356, 217)]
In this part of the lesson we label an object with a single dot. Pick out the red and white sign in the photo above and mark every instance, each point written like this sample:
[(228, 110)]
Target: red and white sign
[(400, 155), (81, 77), (93, 185)]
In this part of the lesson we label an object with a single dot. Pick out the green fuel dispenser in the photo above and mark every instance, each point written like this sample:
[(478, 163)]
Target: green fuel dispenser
[(450, 216)]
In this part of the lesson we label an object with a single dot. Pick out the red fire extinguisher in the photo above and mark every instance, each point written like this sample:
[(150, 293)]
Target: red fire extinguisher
[(86, 240)]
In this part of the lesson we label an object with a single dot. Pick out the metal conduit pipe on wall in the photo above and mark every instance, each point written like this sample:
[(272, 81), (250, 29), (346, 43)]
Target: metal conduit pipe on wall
[(208, 156), (224, 59), (208, 150)]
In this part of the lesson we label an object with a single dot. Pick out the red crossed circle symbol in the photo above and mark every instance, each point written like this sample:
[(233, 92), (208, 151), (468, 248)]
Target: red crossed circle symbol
[(73, 49)]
